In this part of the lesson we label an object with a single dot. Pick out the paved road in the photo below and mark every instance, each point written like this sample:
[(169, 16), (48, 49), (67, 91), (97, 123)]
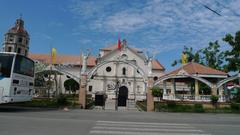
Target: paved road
[(86, 122)]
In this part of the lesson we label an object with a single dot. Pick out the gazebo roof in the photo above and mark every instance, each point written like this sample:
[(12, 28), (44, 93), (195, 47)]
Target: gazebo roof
[(198, 69)]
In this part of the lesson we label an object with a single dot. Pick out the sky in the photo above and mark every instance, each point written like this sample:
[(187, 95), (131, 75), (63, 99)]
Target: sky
[(161, 27)]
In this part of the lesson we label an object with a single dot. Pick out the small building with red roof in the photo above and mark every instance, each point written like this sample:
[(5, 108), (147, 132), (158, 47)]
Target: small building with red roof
[(192, 81)]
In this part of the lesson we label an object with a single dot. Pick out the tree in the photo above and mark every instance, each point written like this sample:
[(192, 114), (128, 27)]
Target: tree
[(212, 56), (191, 56), (233, 55), (236, 98), (38, 67), (71, 85), (157, 92)]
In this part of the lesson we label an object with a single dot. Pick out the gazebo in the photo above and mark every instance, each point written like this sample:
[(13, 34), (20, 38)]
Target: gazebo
[(185, 83)]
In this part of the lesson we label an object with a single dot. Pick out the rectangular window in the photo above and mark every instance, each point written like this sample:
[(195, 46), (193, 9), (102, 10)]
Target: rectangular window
[(9, 49), (24, 66), (5, 65), (20, 40), (26, 52), (90, 88), (19, 50)]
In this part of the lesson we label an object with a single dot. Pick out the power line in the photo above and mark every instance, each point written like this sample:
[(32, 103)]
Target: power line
[(231, 10), (214, 11), (208, 8)]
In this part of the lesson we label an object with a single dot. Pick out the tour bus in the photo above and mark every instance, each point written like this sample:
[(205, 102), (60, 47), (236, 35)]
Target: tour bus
[(16, 78)]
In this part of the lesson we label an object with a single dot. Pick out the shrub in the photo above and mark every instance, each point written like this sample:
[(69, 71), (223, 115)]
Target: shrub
[(198, 108), (237, 96), (89, 102), (235, 107), (214, 100), (157, 92), (171, 104), (61, 100)]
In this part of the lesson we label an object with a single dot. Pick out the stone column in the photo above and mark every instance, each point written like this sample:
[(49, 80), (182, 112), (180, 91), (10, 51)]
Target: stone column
[(214, 90), (173, 88), (196, 89), (82, 91), (150, 98), (164, 88), (221, 93)]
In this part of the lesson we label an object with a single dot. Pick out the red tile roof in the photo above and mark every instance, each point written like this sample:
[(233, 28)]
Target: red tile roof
[(75, 59), (62, 59), (195, 68), (156, 65)]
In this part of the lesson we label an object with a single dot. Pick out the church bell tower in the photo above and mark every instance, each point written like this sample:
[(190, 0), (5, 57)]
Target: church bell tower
[(17, 39)]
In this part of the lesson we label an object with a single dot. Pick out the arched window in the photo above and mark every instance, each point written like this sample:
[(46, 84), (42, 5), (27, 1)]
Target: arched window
[(124, 71)]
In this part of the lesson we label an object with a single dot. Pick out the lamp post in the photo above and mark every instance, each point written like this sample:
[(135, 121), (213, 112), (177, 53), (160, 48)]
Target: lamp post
[(116, 94)]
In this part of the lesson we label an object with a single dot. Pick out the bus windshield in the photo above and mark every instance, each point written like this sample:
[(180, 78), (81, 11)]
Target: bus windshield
[(5, 65), (24, 66)]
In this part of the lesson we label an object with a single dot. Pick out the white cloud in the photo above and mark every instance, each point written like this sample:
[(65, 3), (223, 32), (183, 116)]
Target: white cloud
[(163, 24)]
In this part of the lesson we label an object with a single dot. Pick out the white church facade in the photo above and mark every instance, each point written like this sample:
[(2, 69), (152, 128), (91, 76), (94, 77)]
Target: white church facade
[(124, 69)]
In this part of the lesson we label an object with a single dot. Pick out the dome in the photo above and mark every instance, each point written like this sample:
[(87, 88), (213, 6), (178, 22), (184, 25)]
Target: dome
[(18, 28)]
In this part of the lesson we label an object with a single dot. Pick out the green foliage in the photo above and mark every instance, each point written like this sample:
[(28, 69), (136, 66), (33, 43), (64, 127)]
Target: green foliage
[(41, 103), (62, 100), (38, 67), (235, 107), (71, 85), (171, 104), (237, 97), (198, 108), (89, 102), (205, 89), (191, 56), (233, 55), (142, 105), (157, 92), (39, 80), (214, 100), (212, 56)]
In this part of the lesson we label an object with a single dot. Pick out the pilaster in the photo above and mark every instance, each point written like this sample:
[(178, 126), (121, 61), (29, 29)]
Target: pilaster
[(82, 91), (150, 99)]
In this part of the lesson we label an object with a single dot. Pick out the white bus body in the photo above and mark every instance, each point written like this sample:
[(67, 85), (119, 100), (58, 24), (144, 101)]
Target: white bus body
[(16, 78)]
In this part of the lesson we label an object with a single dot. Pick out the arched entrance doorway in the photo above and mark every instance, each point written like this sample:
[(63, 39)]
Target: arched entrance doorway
[(123, 96)]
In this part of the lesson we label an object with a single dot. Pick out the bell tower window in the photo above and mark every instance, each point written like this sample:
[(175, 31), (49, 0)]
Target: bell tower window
[(20, 40), (19, 50), (9, 49)]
